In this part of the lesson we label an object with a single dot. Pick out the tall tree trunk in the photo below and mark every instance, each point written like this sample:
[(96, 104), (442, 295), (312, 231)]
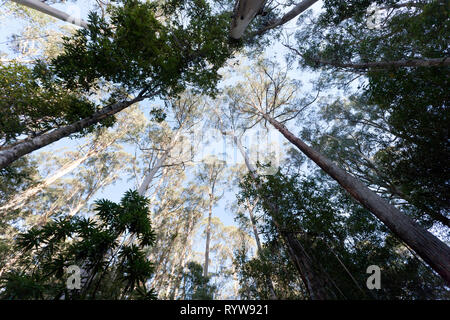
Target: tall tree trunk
[(253, 223), (244, 12), (44, 8), (298, 9), (20, 199), (151, 174), (208, 236), (26, 146), (159, 163), (427, 246), (273, 296), (313, 281)]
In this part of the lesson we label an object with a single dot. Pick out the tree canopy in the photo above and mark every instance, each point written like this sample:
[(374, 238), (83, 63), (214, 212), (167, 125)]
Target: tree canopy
[(237, 150)]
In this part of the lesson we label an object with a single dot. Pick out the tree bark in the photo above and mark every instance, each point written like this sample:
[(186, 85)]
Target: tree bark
[(445, 61), (159, 163), (304, 265), (151, 174), (26, 146), (313, 282), (427, 246), (244, 12), (44, 8), (208, 237), (273, 295), (297, 10)]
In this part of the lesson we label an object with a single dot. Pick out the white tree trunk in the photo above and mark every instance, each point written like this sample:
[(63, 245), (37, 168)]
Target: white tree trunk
[(159, 163), (44, 8), (26, 146), (245, 12), (297, 10), (208, 237), (20, 199), (253, 173)]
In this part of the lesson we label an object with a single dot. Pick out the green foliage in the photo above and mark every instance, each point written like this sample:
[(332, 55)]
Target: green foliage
[(336, 232), (271, 263), (32, 102), (196, 286), (16, 177), (340, 10), (112, 268), (146, 47), (140, 50), (417, 103), (410, 102)]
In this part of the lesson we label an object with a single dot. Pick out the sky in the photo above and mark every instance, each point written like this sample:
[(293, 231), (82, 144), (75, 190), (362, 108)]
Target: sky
[(219, 146)]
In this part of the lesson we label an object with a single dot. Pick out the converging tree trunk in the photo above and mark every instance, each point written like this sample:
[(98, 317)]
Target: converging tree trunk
[(270, 286), (44, 8), (20, 199), (246, 10), (208, 236), (315, 285), (427, 246), (314, 282), (26, 146)]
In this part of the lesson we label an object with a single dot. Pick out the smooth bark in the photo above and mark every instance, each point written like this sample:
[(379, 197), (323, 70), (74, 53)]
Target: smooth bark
[(208, 237), (44, 8), (445, 61), (297, 10), (159, 163), (20, 199), (244, 12), (26, 146), (433, 251), (314, 283)]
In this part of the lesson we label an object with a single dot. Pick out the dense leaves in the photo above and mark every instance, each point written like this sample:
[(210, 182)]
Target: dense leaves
[(410, 103), (340, 237), (147, 47), (32, 102), (112, 265)]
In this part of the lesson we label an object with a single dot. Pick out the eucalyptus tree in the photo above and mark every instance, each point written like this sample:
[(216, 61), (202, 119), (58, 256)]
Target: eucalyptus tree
[(96, 146), (211, 175), (239, 118), (268, 16), (358, 137), (164, 143), (402, 64), (225, 239), (338, 236), (34, 39), (145, 57), (267, 96), (233, 124), (42, 7), (71, 195), (176, 211), (195, 285)]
